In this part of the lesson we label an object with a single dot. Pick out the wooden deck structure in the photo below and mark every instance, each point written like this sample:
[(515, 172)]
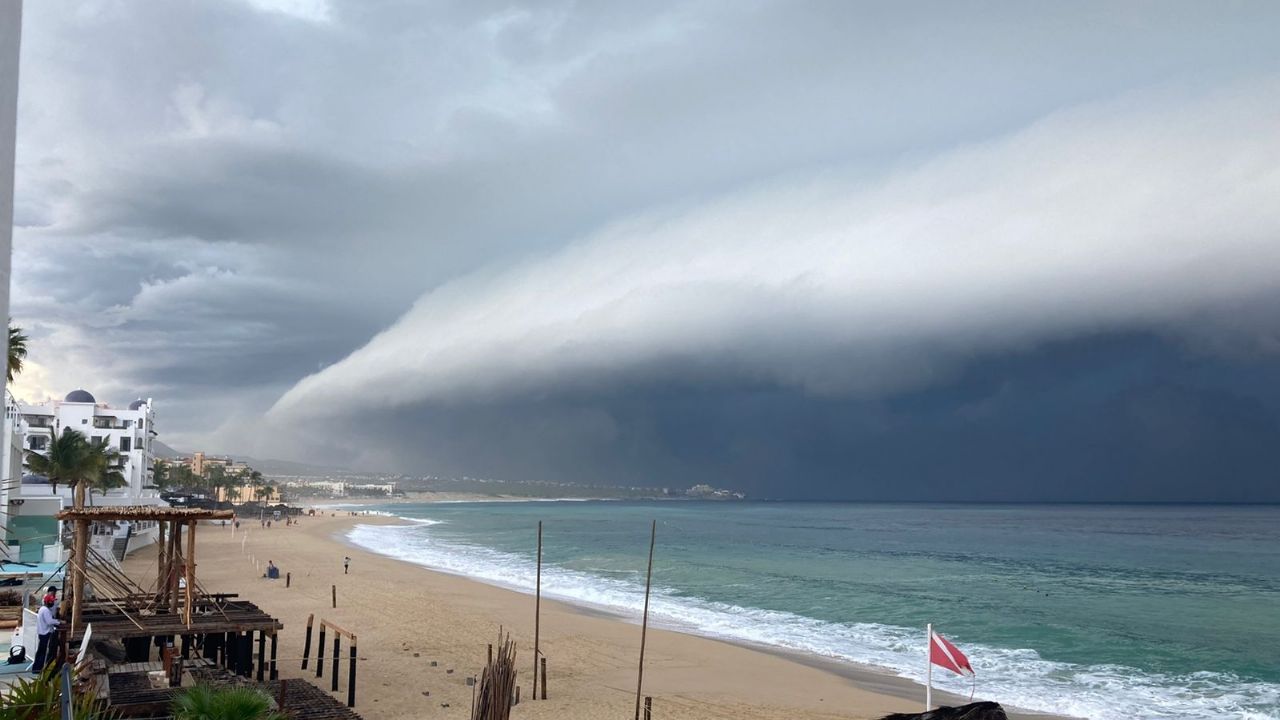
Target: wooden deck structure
[(173, 562), (175, 624)]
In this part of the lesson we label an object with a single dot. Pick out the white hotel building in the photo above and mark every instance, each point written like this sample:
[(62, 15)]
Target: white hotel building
[(33, 535)]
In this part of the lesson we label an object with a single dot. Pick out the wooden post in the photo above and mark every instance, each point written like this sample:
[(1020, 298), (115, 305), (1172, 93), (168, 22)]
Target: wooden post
[(306, 646), (288, 578), (174, 556), (275, 674), (537, 611), (262, 654), (644, 623), (283, 694), (337, 658), (490, 653), (517, 702), (544, 678), (648, 708), (191, 569), (351, 676), (335, 596), (80, 553), (320, 652), (160, 560)]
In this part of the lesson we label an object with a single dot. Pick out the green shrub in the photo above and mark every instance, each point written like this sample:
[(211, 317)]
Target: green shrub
[(235, 703)]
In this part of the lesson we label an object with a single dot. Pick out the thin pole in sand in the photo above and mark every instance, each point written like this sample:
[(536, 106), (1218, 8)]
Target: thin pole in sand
[(928, 665), (644, 624), (537, 609)]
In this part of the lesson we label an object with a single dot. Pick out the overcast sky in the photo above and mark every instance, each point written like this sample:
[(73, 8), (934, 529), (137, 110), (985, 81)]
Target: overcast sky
[(930, 250)]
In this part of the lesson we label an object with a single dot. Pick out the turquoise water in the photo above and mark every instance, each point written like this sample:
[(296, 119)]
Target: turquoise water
[(1094, 611)]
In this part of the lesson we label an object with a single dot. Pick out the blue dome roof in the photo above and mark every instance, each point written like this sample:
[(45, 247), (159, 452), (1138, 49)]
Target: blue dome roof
[(79, 396), (137, 404)]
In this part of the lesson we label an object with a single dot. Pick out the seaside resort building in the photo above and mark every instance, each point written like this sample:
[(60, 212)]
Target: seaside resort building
[(32, 534)]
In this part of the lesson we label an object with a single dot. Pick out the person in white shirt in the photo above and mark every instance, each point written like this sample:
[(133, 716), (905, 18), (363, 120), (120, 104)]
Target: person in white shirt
[(47, 629)]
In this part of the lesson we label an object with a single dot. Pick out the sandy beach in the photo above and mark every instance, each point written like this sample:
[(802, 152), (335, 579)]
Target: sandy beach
[(407, 617)]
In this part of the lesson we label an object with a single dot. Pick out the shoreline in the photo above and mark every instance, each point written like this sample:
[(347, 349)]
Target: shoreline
[(408, 615), (870, 678)]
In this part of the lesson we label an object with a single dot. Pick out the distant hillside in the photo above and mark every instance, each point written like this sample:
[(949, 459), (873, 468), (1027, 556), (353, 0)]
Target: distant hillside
[(164, 451)]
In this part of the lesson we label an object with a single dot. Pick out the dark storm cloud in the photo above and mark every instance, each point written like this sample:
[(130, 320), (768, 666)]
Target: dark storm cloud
[(1107, 418), (596, 209)]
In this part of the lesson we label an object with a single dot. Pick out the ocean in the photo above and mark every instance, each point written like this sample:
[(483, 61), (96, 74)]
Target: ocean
[(1089, 611)]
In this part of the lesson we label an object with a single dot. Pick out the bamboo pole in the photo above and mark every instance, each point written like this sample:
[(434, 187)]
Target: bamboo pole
[(644, 623), (537, 608)]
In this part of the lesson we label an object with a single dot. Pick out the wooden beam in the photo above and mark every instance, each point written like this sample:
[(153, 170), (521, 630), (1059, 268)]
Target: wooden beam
[(191, 567), (80, 550), (171, 573), (161, 554)]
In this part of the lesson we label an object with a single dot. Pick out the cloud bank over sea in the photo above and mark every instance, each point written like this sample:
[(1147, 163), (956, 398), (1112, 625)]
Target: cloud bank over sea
[(1147, 213)]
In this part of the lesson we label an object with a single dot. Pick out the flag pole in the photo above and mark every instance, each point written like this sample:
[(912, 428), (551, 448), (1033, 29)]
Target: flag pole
[(928, 663)]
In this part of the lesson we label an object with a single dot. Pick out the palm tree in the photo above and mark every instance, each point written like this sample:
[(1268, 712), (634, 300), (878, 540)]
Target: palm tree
[(237, 703), (69, 459), (217, 479), (107, 461), (161, 475), (255, 479), (17, 350)]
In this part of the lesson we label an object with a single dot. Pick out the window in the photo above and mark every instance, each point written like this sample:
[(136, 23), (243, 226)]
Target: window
[(39, 442), (85, 421), (125, 444), (128, 424)]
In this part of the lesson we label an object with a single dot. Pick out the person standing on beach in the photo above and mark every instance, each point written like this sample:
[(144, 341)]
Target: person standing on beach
[(47, 629), (346, 564)]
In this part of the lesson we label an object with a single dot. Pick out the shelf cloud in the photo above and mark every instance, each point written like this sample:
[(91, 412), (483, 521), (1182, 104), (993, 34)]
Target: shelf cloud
[(1141, 213)]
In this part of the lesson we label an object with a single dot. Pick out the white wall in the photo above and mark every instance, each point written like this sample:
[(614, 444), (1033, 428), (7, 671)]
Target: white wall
[(10, 36)]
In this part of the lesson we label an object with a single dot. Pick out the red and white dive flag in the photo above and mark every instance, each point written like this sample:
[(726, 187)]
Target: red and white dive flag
[(944, 654)]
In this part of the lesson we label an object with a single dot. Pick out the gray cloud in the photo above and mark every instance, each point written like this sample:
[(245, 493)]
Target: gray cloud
[(216, 199)]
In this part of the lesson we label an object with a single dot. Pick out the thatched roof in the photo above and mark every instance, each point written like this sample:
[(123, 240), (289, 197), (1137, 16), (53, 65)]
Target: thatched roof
[(143, 512)]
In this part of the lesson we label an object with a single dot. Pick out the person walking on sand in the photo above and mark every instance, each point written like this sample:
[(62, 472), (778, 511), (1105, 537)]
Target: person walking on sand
[(47, 630), (346, 565)]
